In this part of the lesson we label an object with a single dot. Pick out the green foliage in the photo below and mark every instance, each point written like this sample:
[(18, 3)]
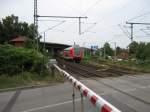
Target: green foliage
[(10, 27), (29, 43), (28, 79), (15, 60), (107, 50), (141, 51), (120, 50), (133, 48)]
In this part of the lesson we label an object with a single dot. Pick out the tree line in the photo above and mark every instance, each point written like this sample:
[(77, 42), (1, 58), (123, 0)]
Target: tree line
[(140, 51), (136, 50), (11, 27)]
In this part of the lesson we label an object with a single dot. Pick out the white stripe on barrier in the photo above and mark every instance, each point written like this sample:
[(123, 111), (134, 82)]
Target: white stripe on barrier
[(96, 100)]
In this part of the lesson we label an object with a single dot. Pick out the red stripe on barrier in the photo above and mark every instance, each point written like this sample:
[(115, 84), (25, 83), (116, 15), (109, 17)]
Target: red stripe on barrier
[(85, 92), (93, 100), (106, 108)]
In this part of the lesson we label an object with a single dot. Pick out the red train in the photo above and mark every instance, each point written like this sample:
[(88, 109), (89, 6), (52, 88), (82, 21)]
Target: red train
[(73, 53)]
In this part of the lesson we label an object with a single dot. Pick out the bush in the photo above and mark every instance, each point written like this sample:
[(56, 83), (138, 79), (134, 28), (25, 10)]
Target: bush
[(15, 60)]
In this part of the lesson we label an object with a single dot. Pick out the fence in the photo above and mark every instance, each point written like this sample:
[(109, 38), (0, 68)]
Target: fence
[(99, 103)]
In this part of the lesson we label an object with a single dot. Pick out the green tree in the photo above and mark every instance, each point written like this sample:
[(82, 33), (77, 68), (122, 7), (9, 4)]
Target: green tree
[(141, 51), (147, 51), (108, 50), (133, 48), (10, 27)]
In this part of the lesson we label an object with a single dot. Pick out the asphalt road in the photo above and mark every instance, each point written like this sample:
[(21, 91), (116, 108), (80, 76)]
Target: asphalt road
[(127, 93)]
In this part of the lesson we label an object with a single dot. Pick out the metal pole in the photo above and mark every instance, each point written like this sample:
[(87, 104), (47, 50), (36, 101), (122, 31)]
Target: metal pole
[(73, 100), (132, 27), (44, 52), (115, 52), (79, 25), (82, 104), (131, 32), (104, 53), (44, 40), (65, 17), (36, 21)]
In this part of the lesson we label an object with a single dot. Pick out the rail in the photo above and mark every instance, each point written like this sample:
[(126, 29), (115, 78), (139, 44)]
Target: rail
[(101, 104)]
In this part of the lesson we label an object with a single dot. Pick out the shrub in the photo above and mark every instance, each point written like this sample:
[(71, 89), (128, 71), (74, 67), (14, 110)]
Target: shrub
[(13, 60)]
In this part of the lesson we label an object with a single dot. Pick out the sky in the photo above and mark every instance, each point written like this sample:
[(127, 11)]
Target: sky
[(105, 22)]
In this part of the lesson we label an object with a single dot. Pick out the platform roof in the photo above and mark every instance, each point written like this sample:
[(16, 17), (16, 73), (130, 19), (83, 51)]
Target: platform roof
[(55, 45)]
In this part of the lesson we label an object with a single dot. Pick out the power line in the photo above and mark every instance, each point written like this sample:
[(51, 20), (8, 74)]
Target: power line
[(143, 30), (131, 23), (69, 6), (68, 17), (87, 30), (123, 31), (58, 30), (139, 16), (93, 5), (125, 27), (148, 28), (53, 27), (49, 20), (62, 17)]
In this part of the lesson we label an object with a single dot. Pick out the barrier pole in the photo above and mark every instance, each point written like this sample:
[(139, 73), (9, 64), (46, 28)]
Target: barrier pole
[(97, 101), (82, 104), (73, 100)]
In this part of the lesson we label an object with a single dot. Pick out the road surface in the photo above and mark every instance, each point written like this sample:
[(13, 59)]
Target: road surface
[(127, 93)]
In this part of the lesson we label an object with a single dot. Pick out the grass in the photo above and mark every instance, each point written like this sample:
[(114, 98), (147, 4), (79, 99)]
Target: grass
[(132, 65), (136, 65), (28, 79)]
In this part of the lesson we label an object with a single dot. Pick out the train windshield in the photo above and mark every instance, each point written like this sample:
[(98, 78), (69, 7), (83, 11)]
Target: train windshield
[(77, 51)]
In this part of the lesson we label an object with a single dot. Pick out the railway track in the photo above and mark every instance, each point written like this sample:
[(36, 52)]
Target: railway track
[(88, 71), (78, 71)]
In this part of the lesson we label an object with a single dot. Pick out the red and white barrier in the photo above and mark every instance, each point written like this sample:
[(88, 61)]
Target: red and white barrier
[(96, 100)]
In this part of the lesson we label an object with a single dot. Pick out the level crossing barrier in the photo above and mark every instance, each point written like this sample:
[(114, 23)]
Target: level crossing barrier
[(97, 101)]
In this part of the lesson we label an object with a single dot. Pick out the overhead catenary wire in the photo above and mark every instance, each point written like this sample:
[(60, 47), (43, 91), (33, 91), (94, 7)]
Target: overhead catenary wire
[(143, 30), (125, 27), (141, 15), (90, 27), (42, 20), (148, 28), (92, 6), (88, 9), (53, 27), (72, 8), (123, 31), (138, 36)]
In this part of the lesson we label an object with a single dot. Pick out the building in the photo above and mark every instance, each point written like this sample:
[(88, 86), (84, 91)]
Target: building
[(123, 56), (18, 41)]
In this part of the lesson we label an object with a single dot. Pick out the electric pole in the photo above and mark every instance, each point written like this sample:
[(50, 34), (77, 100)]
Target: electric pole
[(36, 24), (36, 16), (115, 52), (67, 17), (132, 24)]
